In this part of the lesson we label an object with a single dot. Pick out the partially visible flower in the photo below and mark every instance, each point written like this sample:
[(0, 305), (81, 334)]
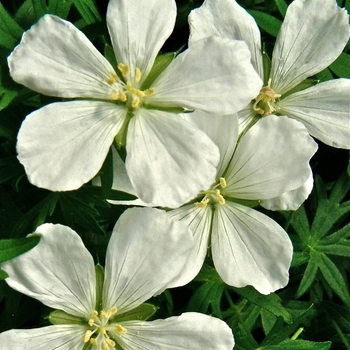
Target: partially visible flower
[(311, 37), (63, 145), (247, 247), (105, 311)]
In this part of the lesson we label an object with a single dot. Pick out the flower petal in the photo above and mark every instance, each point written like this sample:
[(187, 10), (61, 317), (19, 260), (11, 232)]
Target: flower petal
[(59, 271), (270, 159), (324, 110), (310, 39), (146, 252), (246, 116), (62, 60), (214, 75), (249, 248), (168, 160), (138, 30), (61, 337), (199, 221), (227, 19), (191, 331), (291, 200), (222, 130), (63, 145)]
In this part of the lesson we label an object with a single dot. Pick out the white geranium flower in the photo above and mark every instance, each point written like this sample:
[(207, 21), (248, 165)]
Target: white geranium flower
[(63, 145), (312, 36), (248, 247), (105, 311)]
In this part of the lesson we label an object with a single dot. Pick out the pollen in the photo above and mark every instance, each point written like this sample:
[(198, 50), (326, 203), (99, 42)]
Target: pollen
[(135, 102), (119, 329), (113, 78), (223, 183), (203, 203), (87, 335), (220, 197), (124, 69), (114, 95), (137, 75)]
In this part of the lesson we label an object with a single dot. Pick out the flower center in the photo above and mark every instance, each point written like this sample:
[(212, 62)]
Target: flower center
[(126, 91), (265, 101), (213, 195), (97, 334)]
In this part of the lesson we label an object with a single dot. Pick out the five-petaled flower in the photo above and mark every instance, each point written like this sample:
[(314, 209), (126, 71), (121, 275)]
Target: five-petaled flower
[(105, 310), (310, 39), (63, 145)]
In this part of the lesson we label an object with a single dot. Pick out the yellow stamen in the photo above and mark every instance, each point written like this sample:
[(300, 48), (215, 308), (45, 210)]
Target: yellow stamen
[(93, 341), (91, 322), (137, 75), (122, 96), (223, 183), (115, 95), (104, 346), (220, 197), (124, 69), (264, 102), (119, 329), (149, 92), (113, 78), (102, 330), (87, 336), (203, 203), (135, 102), (110, 342)]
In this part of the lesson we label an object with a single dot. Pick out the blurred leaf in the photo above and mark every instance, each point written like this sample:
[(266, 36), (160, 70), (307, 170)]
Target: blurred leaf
[(341, 66), (10, 248), (88, 11), (3, 275), (10, 31), (298, 345), (282, 7), (268, 23)]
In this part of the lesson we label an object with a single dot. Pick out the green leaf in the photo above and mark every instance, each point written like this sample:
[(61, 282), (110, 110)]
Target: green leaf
[(141, 313), (324, 75), (60, 317), (267, 22), (282, 7), (10, 248), (10, 31), (106, 175), (341, 66), (88, 10), (3, 275), (309, 274), (271, 302), (334, 278), (8, 89), (299, 345), (336, 249), (244, 339)]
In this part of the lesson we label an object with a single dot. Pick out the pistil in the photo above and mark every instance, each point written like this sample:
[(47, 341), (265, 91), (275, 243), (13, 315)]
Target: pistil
[(265, 101)]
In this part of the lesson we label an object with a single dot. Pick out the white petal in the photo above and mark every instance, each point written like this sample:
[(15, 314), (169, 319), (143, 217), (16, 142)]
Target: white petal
[(121, 182), (60, 337), (222, 130), (249, 248), (324, 110), (146, 252), (214, 75), (59, 271), (56, 59), (227, 19), (271, 158), (190, 331), (310, 39), (138, 30), (291, 200), (199, 221), (63, 145), (168, 160)]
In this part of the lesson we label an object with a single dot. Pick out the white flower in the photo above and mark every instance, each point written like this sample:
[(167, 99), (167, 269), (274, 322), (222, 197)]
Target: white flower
[(248, 247), (312, 36), (63, 145), (146, 252)]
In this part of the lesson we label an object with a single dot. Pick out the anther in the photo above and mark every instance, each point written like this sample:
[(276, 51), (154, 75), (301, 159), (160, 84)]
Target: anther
[(203, 203), (110, 342), (135, 102), (87, 336), (115, 95), (93, 341), (113, 78), (220, 197), (137, 75), (119, 329), (122, 96), (124, 69), (223, 183)]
